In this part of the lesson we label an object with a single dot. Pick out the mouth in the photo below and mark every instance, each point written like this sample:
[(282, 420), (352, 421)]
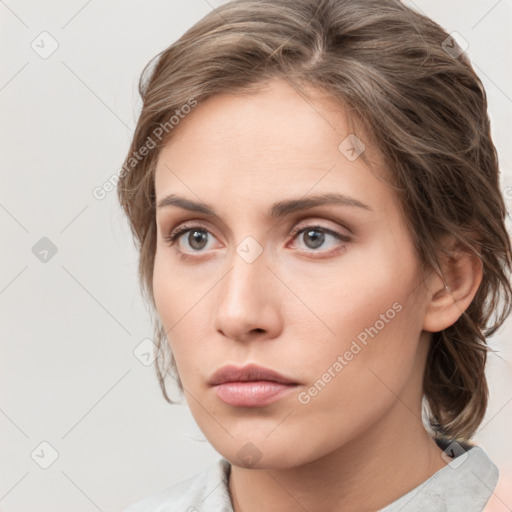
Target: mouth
[(250, 386)]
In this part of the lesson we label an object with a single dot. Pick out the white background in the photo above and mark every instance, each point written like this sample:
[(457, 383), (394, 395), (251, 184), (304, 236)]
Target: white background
[(68, 375)]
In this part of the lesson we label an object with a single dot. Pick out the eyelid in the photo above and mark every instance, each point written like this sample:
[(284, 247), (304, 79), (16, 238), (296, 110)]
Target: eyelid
[(190, 224), (177, 232), (316, 221), (306, 220)]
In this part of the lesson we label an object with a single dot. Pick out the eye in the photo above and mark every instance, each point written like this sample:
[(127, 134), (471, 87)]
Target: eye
[(197, 237), (314, 236)]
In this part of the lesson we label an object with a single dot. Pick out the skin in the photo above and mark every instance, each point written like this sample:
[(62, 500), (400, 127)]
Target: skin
[(298, 306)]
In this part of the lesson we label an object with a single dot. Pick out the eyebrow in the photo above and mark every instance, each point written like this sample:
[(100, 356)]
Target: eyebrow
[(277, 210)]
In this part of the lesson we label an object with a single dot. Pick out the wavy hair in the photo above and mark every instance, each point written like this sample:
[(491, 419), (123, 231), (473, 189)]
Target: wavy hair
[(409, 85)]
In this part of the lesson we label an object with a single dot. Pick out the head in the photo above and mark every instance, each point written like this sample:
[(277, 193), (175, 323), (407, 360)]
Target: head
[(383, 297)]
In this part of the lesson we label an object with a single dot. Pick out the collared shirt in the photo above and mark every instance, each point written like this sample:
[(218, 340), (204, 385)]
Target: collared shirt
[(465, 484)]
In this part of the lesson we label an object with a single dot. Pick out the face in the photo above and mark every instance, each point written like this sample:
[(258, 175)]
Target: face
[(326, 295)]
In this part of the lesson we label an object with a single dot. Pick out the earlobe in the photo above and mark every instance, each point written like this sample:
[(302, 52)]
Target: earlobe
[(447, 300)]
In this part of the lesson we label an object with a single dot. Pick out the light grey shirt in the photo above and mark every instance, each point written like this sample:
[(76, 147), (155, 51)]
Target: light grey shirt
[(463, 485)]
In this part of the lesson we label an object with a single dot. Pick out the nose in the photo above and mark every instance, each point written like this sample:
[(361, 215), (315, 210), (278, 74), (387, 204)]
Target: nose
[(248, 300)]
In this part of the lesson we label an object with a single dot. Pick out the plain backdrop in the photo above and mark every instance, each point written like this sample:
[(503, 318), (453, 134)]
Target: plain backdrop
[(83, 425)]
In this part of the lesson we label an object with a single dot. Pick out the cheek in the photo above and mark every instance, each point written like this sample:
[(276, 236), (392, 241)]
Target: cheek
[(165, 292), (174, 302), (177, 293), (354, 378), (359, 329), (366, 332)]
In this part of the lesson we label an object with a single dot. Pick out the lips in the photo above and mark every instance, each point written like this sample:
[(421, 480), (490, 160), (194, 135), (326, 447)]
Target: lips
[(250, 386), (249, 373)]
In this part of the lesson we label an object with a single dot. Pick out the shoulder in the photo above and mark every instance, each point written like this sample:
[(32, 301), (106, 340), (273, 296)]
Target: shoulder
[(190, 495), (465, 484)]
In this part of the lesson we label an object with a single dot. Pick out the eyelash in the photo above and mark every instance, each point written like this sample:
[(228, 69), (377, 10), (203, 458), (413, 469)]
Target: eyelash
[(170, 239)]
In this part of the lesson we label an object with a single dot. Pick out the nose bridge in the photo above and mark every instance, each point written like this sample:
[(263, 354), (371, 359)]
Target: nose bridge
[(247, 273), (244, 303)]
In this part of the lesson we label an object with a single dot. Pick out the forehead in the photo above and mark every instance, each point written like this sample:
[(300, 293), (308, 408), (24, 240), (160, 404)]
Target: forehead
[(271, 143)]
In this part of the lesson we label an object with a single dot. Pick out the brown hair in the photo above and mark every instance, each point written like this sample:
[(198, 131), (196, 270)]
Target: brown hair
[(419, 100)]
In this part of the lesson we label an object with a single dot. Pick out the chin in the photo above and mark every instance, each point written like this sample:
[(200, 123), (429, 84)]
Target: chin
[(264, 454)]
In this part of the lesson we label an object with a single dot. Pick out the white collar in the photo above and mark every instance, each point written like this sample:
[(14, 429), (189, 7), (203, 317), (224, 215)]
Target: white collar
[(464, 485)]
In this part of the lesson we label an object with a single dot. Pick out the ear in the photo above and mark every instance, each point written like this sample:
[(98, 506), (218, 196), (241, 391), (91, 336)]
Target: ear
[(447, 300)]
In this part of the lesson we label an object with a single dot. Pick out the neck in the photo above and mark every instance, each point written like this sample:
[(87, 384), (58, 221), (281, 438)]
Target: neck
[(389, 460)]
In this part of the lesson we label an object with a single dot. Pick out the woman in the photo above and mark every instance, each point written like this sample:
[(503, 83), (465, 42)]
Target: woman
[(314, 192)]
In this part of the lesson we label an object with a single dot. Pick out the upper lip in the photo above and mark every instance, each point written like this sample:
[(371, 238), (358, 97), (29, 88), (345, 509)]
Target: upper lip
[(251, 372)]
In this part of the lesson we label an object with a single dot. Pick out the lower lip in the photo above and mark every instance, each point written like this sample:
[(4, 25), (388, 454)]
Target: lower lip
[(252, 394)]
